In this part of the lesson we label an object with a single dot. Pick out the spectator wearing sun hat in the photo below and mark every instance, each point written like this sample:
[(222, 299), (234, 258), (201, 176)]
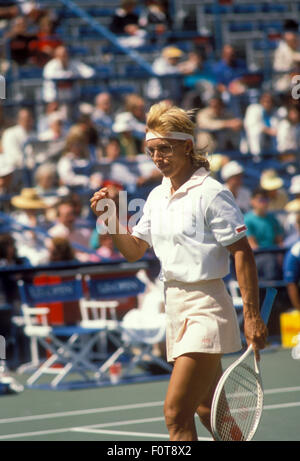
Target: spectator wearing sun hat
[(166, 64), (273, 184), (30, 213), (232, 176)]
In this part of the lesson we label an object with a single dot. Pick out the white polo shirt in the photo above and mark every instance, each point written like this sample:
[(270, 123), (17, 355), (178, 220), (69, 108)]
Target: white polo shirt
[(189, 230)]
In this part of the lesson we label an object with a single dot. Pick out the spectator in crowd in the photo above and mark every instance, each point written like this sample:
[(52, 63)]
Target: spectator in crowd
[(232, 176), (135, 109), (43, 122), (264, 231), (134, 36), (31, 213), (166, 64), (88, 128), (273, 184), (47, 40), (60, 249), (63, 67), (286, 59), (66, 227), (74, 166), (22, 43), (104, 247), (288, 131), (229, 72), (155, 17), (293, 217), (102, 115), (124, 130), (9, 257), (221, 124), (291, 208), (7, 184), (46, 183), (8, 252), (56, 130), (112, 150), (295, 186), (15, 137), (124, 16), (261, 123), (291, 273)]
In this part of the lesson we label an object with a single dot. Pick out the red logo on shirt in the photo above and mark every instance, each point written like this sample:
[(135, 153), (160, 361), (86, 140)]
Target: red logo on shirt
[(240, 229)]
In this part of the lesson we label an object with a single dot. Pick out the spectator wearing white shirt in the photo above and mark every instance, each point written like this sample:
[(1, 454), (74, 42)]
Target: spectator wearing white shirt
[(286, 59), (166, 64), (288, 131), (73, 166), (64, 68), (193, 224), (56, 130), (261, 123), (15, 137), (232, 175)]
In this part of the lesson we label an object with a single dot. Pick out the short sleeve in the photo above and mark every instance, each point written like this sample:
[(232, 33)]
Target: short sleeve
[(225, 219), (142, 229)]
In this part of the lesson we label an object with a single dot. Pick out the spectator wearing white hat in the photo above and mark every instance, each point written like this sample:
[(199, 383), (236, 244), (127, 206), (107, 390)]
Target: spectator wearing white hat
[(273, 184), (123, 128), (232, 176)]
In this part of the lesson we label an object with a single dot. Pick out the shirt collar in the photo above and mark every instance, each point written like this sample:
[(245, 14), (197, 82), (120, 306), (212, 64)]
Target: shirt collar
[(196, 179)]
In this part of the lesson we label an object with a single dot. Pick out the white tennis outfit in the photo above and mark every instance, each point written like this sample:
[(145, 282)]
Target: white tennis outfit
[(189, 232)]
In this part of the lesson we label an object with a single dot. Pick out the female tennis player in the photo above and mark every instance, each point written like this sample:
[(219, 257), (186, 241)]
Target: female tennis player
[(193, 225)]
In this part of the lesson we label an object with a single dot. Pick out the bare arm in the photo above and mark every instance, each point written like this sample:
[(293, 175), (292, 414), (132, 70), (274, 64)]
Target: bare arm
[(130, 246), (254, 327), (294, 295)]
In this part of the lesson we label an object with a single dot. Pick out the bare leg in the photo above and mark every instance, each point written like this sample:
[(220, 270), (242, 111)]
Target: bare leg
[(192, 380)]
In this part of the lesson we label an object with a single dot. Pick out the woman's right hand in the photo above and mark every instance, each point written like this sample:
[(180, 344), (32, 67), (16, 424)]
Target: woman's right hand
[(99, 195)]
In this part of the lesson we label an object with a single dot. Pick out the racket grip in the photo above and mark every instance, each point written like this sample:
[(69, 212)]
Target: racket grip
[(268, 304)]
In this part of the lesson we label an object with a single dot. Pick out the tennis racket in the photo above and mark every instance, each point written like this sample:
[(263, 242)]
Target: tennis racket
[(238, 399)]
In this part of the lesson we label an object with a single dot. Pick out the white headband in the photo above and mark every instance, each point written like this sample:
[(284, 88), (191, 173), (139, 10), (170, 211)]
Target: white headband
[(172, 135)]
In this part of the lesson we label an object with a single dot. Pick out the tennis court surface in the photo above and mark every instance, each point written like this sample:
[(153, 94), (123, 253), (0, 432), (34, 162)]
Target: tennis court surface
[(134, 412)]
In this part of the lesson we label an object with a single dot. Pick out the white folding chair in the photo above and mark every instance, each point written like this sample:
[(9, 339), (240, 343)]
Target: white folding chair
[(68, 352)]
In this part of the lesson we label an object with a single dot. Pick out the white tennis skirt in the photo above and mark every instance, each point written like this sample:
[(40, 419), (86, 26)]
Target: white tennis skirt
[(200, 318)]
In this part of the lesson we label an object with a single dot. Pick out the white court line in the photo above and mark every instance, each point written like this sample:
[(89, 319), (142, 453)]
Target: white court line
[(68, 429), (133, 434), (64, 414)]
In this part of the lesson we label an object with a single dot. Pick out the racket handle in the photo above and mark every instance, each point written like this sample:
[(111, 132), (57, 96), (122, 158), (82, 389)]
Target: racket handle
[(268, 304)]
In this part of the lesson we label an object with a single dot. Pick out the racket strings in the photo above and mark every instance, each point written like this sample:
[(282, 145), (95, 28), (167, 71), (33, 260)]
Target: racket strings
[(239, 405)]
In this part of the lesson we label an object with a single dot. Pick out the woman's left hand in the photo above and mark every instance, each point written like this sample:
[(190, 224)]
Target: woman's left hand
[(256, 332)]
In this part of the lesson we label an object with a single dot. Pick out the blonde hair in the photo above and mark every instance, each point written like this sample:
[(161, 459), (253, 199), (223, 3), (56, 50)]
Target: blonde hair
[(163, 119)]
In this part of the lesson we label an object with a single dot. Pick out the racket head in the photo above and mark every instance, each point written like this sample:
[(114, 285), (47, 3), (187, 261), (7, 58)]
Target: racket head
[(238, 401)]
